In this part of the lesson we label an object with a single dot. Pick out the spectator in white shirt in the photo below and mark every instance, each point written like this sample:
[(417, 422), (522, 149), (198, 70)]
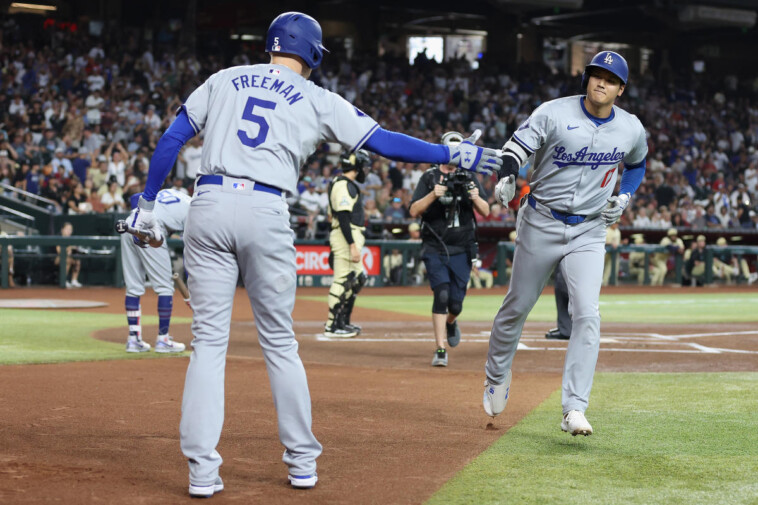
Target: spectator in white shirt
[(192, 156), (641, 221), (117, 162), (96, 81), (94, 103), (17, 106), (151, 119)]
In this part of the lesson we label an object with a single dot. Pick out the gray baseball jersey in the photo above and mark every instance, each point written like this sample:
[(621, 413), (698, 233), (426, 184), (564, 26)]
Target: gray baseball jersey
[(263, 121), (171, 209), (576, 161)]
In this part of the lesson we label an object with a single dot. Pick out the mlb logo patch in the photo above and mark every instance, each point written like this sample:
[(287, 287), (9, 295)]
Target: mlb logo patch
[(238, 185), (274, 71), (277, 48)]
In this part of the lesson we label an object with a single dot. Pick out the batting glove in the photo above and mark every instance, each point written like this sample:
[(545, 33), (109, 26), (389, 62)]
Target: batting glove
[(469, 156), (616, 205), (144, 220), (505, 189)]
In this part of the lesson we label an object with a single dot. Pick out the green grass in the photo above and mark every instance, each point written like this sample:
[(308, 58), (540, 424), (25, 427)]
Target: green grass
[(659, 439), (54, 336), (657, 308)]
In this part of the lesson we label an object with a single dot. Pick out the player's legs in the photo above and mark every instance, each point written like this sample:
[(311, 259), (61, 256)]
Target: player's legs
[(360, 276), (562, 303), (157, 263), (340, 291), (134, 275), (212, 267), (582, 268), (538, 248), (266, 255)]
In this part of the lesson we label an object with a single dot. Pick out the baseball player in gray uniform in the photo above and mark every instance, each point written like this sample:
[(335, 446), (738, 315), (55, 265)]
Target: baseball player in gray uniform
[(261, 123), (578, 143), (137, 262)]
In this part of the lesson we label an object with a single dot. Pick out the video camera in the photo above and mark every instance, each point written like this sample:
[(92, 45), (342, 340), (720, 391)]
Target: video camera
[(458, 185)]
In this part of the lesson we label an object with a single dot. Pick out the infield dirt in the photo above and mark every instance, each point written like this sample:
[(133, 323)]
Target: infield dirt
[(393, 428)]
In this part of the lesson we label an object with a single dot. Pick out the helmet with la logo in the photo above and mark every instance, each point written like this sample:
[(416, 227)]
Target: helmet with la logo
[(611, 61)]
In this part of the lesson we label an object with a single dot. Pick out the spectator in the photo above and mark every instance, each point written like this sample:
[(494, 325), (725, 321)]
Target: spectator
[(396, 212), (113, 199), (117, 162), (73, 265)]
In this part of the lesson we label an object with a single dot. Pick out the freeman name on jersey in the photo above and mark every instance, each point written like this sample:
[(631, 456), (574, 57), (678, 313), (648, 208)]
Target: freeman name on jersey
[(269, 83), (582, 157)]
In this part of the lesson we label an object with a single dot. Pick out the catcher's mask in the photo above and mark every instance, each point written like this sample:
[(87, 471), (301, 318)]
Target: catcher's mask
[(359, 161)]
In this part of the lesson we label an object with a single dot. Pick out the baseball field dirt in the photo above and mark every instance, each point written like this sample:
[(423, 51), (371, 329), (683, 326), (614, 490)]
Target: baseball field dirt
[(393, 428)]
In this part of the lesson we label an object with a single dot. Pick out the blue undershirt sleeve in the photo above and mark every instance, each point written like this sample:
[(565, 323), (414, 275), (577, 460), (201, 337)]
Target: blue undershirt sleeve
[(166, 152), (401, 147), (632, 177)]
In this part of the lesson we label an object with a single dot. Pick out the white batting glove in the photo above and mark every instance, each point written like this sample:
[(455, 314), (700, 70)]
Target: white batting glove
[(144, 220), (505, 189), (616, 205), (468, 156)]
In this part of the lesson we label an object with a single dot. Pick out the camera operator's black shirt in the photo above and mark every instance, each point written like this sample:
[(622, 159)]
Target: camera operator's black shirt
[(458, 239)]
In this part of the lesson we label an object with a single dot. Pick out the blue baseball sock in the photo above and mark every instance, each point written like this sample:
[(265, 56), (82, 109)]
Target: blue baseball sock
[(165, 305), (133, 314)]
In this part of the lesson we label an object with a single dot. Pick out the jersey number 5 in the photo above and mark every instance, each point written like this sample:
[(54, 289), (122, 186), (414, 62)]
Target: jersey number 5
[(248, 115)]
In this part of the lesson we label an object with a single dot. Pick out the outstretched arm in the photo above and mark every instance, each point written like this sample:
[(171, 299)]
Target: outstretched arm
[(466, 155)]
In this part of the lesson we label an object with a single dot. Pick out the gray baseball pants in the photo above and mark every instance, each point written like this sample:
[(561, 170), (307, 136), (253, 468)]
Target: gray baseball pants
[(230, 232), (542, 242)]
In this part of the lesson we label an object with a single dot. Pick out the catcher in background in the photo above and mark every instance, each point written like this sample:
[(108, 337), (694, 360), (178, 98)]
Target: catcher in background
[(138, 261), (346, 240)]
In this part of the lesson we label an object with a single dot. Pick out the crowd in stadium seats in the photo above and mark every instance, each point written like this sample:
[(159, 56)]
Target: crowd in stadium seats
[(80, 120)]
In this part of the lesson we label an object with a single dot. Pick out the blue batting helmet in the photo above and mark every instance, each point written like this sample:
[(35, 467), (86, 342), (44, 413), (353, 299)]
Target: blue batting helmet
[(612, 62), (296, 33)]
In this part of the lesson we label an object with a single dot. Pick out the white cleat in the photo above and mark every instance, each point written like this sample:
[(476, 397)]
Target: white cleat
[(134, 345), (496, 396), (575, 423), (165, 343), (303, 481), (206, 491)]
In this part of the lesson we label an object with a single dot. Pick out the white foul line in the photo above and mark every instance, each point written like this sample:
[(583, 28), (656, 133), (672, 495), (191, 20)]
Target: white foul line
[(636, 338)]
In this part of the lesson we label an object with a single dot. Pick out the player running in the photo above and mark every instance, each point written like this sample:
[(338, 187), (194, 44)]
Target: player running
[(578, 143), (261, 123)]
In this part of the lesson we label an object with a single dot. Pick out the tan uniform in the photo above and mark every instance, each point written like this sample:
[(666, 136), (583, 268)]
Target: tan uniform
[(344, 195), (659, 261), (637, 265)]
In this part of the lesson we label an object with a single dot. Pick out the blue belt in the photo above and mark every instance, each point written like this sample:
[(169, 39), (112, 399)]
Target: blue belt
[(560, 216), (219, 180)]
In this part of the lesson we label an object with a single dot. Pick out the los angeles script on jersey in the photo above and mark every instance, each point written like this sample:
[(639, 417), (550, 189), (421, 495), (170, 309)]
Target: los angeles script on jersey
[(584, 157), (279, 86)]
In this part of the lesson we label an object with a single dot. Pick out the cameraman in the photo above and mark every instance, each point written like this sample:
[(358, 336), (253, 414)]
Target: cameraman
[(446, 198)]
